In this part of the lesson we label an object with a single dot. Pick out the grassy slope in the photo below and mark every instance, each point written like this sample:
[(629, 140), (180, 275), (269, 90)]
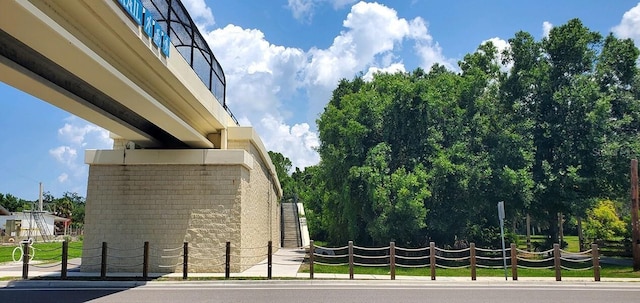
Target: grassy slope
[(45, 252)]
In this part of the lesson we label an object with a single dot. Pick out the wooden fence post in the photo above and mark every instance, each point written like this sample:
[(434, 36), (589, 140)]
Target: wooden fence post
[(103, 261), (65, 260), (432, 259), (392, 259), (25, 260), (269, 259), (472, 260), (595, 254), (514, 262), (635, 221), (145, 260), (227, 261), (556, 261), (185, 260), (351, 260), (312, 250)]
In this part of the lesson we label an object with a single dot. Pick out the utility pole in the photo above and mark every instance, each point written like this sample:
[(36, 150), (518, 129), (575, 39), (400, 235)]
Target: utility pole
[(635, 229)]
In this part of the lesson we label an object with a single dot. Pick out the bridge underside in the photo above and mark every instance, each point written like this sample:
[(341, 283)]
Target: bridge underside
[(199, 178), (17, 57)]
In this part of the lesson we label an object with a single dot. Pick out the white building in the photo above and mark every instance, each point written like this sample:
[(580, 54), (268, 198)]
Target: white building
[(20, 225)]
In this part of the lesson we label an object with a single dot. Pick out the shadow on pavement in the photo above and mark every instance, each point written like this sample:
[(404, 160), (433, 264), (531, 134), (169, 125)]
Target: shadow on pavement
[(73, 290)]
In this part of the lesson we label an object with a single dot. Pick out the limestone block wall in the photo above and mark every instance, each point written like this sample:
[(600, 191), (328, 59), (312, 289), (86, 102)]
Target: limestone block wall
[(203, 197), (260, 213), (165, 205)]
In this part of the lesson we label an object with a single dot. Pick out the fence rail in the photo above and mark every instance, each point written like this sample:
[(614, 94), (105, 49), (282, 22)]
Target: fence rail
[(471, 257), (139, 258), (431, 257)]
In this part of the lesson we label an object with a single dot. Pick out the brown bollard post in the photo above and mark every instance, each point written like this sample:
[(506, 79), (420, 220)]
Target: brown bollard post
[(595, 254), (25, 260), (556, 261), (185, 260), (227, 261), (392, 259), (350, 260), (269, 259), (65, 260), (103, 261), (432, 259), (472, 260), (311, 252), (514, 262), (145, 260)]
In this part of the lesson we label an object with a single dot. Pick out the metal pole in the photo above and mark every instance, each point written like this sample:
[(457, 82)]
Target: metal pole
[(504, 254)]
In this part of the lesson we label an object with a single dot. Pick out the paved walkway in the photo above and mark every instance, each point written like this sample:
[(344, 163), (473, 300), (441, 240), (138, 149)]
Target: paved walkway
[(286, 263)]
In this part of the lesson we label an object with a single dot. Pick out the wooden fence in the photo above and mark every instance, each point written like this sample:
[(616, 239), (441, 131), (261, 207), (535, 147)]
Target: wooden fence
[(471, 257)]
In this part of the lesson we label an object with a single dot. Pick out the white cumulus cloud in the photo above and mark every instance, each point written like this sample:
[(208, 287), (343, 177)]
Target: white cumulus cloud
[(79, 133), (303, 10), (65, 155), (546, 28), (282, 90), (297, 142), (63, 177), (75, 136), (501, 45), (629, 26), (200, 13), (391, 69)]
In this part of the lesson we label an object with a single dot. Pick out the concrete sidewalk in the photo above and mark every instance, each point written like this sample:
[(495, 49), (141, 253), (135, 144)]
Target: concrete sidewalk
[(285, 264)]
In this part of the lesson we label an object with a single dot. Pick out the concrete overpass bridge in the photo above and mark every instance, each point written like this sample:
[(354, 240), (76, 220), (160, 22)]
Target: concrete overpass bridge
[(181, 169)]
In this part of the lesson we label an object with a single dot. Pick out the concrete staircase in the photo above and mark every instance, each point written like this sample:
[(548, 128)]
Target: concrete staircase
[(290, 225)]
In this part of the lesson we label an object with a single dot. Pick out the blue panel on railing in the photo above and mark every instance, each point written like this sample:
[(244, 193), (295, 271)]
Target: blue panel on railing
[(134, 8), (158, 33), (149, 23)]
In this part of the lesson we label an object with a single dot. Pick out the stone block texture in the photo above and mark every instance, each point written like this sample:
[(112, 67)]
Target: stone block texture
[(168, 205)]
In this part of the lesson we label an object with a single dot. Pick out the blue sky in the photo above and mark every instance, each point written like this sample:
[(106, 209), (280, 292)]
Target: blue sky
[(283, 58)]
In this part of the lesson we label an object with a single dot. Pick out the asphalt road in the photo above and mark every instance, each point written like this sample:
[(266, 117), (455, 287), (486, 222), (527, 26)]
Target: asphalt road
[(320, 291)]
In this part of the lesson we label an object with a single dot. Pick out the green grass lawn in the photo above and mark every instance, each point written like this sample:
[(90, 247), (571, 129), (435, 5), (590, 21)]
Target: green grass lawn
[(573, 244), (44, 252), (607, 270), (610, 271)]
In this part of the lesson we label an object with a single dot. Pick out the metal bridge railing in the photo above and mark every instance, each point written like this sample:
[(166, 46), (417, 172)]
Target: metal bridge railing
[(185, 36)]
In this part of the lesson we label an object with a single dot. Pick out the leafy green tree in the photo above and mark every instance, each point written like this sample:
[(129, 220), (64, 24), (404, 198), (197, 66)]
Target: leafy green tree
[(12, 203), (283, 166), (437, 150), (397, 199), (603, 222)]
